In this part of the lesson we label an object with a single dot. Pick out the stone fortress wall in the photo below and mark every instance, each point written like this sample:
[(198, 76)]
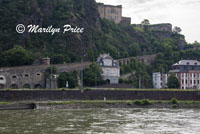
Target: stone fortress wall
[(113, 13), (34, 76)]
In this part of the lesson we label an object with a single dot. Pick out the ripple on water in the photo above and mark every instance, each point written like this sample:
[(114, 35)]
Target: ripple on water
[(110, 121)]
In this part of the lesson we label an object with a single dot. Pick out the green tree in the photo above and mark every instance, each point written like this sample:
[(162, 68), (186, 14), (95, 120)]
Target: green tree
[(173, 82), (58, 59), (17, 56), (92, 75), (70, 77), (145, 22)]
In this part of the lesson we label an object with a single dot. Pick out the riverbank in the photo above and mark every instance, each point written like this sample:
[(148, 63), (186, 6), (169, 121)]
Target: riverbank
[(117, 104), (100, 104)]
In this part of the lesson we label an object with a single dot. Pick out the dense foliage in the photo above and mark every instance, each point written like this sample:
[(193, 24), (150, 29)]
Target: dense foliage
[(173, 82), (65, 77), (92, 76), (100, 36)]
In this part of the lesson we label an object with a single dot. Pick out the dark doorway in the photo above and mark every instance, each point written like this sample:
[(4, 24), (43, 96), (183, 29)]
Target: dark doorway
[(107, 81), (1, 86), (27, 86), (38, 86), (14, 86)]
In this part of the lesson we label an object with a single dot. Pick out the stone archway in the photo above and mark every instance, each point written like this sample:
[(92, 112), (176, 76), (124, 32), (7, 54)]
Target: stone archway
[(27, 86), (38, 86), (14, 86), (1, 86), (107, 81)]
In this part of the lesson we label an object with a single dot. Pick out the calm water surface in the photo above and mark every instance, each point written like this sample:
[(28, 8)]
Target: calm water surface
[(93, 121)]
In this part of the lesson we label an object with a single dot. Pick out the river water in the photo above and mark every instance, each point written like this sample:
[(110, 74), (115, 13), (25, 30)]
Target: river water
[(97, 121)]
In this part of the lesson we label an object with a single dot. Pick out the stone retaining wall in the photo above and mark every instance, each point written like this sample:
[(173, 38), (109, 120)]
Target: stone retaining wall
[(44, 95)]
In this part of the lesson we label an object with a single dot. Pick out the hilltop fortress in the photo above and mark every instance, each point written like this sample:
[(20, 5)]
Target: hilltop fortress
[(113, 13)]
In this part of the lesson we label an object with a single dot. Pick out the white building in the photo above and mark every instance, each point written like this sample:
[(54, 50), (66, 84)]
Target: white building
[(157, 82), (110, 68)]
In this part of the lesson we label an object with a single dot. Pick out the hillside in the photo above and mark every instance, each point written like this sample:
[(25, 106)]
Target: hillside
[(100, 36)]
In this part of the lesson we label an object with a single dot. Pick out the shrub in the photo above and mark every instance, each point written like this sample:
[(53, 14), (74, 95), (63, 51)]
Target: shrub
[(142, 102), (174, 101), (137, 102), (146, 102)]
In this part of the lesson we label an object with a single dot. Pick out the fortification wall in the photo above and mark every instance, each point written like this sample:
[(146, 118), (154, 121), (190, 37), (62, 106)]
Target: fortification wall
[(33, 76)]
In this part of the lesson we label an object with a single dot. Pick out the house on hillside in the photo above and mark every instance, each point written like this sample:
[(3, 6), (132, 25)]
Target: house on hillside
[(187, 72), (110, 68)]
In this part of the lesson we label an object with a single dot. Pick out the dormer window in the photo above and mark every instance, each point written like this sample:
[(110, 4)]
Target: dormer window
[(195, 63), (188, 63)]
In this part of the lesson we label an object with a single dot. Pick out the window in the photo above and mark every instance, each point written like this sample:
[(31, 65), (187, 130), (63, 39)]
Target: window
[(186, 81), (194, 75), (182, 81), (194, 81), (190, 81), (38, 74), (197, 81), (14, 77), (1, 78), (26, 75)]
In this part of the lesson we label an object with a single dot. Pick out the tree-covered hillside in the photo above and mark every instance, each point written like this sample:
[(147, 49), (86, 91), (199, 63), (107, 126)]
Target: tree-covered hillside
[(100, 36)]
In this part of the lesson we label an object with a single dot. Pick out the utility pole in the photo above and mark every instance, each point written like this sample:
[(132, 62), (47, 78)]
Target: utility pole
[(51, 78), (139, 81), (81, 84), (162, 76)]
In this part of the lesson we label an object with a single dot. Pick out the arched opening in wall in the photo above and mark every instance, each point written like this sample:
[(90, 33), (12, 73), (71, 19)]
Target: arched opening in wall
[(1, 86), (38, 86), (14, 86), (26, 75), (1, 78), (27, 86), (107, 81)]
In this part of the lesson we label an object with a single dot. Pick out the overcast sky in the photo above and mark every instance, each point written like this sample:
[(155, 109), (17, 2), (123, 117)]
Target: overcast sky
[(182, 13)]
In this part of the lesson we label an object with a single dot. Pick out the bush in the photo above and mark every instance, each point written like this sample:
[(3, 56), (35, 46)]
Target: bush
[(137, 102), (142, 102), (174, 101), (146, 102)]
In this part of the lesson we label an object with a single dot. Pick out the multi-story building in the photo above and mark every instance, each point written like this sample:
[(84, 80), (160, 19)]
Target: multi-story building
[(159, 80), (187, 72), (110, 68), (113, 13)]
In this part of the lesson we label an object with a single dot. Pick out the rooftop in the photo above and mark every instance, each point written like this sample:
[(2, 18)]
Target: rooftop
[(187, 62), (102, 4)]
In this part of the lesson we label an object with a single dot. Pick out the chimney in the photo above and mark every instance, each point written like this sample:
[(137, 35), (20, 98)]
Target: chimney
[(45, 61)]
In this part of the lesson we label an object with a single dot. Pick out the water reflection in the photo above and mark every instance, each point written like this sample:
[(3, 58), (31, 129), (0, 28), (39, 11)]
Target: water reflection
[(111, 121)]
